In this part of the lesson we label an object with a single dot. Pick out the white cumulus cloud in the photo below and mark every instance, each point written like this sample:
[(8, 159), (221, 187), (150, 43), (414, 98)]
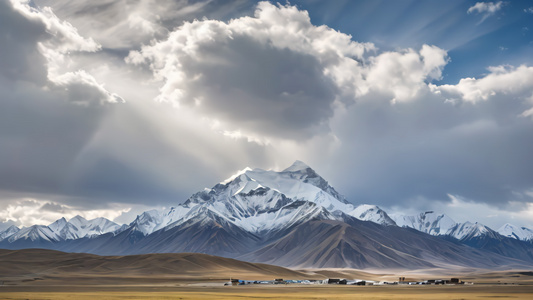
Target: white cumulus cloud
[(278, 75), (513, 83), (487, 9), (404, 74)]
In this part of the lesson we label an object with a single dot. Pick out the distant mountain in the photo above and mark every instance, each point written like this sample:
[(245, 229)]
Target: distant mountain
[(8, 232), (428, 222), (373, 213), (6, 224), (153, 220), (36, 236), (467, 230), (482, 237), (291, 218), (474, 235), (515, 232), (368, 245), (40, 235)]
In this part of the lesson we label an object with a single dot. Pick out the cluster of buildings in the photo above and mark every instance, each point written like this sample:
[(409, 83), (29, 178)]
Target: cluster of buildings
[(342, 281), (275, 281), (433, 281)]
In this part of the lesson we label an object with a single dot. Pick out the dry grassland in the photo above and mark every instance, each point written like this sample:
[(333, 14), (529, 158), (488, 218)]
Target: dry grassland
[(45, 274), (274, 292)]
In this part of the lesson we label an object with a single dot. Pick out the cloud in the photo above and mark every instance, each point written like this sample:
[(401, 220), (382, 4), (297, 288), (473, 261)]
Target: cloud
[(471, 139), (42, 129), (464, 209), (38, 54), (81, 88), (276, 75), (404, 74), (268, 75), (501, 80), (123, 24), (30, 211), (486, 8)]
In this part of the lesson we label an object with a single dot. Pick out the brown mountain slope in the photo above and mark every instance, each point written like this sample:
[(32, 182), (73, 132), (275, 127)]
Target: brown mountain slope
[(333, 244), (31, 264)]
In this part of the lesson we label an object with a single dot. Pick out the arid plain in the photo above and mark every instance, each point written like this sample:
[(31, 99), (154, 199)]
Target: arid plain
[(45, 274)]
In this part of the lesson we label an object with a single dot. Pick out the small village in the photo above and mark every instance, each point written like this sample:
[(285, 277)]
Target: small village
[(342, 281)]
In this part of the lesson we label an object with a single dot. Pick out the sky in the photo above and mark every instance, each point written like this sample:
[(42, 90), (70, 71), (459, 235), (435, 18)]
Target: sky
[(113, 107)]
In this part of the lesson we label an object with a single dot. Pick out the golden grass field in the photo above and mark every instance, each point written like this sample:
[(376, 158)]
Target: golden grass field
[(45, 274), (273, 292)]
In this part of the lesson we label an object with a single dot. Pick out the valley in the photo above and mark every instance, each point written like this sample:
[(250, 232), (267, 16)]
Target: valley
[(46, 274)]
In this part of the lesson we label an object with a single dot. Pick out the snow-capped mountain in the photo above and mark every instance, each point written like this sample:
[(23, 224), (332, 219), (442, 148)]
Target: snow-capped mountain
[(428, 222), (8, 232), (475, 235), (35, 233), (76, 228), (373, 213), (515, 232), (58, 225), (255, 200), (153, 220), (468, 230), (79, 227), (482, 237), (440, 224)]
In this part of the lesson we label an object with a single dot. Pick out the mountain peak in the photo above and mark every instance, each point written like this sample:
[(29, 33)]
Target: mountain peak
[(12, 227), (58, 224), (298, 165), (60, 220), (429, 222), (469, 230), (78, 217), (516, 232), (234, 176), (368, 212), (8, 232)]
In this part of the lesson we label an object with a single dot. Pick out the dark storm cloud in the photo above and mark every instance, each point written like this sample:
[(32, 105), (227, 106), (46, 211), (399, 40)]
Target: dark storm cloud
[(41, 136), (430, 148), (34, 125), (20, 59), (270, 92), (44, 122), (54, 207)]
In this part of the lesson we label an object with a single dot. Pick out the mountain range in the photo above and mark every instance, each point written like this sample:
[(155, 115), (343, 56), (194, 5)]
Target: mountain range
[(291, 218)]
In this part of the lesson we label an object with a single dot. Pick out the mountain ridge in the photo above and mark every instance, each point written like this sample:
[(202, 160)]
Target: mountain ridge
[(255, 212)]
